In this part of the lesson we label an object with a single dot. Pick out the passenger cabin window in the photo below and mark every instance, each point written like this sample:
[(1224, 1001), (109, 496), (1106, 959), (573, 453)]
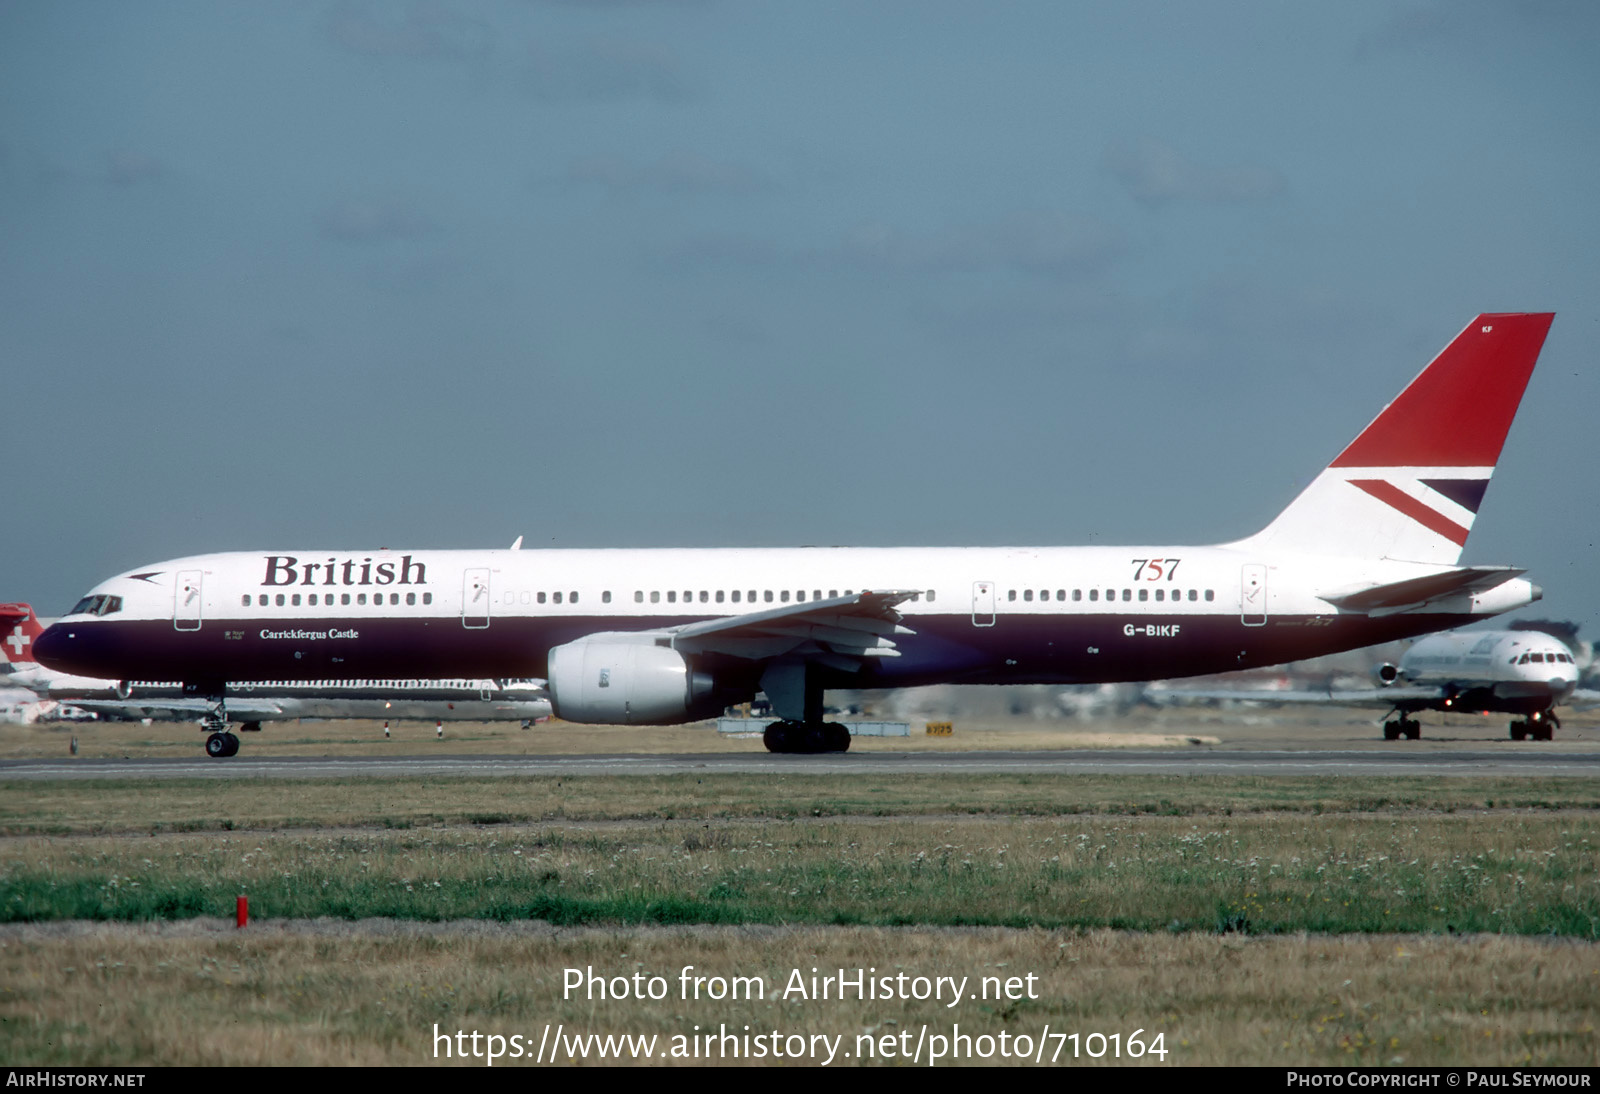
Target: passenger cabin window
[(1144, 595), (572, 597), (655, 597), (411, 598), (1210, 595), (672, 596), (1077, 594), (361, 598), (605, 597), (736, 596), (1094, 594), (344, 598), (719, 596), (427, 598), (280, 600), (556, 597), (768, 596)]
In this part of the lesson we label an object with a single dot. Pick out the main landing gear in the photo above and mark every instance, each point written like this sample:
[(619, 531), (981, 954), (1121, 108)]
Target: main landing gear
[(806, 737), (1409, 728), (1538, 726)]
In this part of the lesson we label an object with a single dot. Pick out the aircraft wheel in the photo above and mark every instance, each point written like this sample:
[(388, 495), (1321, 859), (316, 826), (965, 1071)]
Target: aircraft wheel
[(1519, 731), (233, 744), (1414, 731), (1391, 731), (217, 746), (1544, 733), (837, 737), (776, 737)]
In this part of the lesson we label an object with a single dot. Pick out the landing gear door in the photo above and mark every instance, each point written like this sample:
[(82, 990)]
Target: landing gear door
[(475, 598), (1253, 595), (983, 603), (187, 600)]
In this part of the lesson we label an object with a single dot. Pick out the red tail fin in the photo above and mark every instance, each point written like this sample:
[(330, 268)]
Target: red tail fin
[(1409, 487), (18, 628)]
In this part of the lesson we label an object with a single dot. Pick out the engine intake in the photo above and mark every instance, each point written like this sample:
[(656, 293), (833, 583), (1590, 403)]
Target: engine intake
[(1387, 673), (628, 678)]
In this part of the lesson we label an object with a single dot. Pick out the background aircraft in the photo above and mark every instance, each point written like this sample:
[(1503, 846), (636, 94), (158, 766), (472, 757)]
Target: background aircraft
[(1522, 672)]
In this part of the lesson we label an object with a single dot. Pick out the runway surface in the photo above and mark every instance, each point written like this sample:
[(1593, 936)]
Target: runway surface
[(1075, 762)]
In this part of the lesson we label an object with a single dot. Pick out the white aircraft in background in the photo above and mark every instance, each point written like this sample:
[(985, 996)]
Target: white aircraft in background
[(1522, 672), (461, 700), (1366, 554)]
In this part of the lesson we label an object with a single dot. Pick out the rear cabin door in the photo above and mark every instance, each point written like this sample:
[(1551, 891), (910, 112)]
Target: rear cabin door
[(187, 600), (1253, 595), (475, 598)]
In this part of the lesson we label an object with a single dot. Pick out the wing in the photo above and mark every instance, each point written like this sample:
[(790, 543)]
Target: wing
[(1374, 697), (840, 633)]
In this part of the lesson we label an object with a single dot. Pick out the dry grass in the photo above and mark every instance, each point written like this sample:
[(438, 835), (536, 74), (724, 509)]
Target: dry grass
[(317, 993), (133, 805)]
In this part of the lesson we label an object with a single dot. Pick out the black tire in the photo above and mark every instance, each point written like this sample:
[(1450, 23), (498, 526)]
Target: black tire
[(216, 746), (776, 737), (837, 737), (1391, 731), (1519, 731), (1414, 731), (233, 744)]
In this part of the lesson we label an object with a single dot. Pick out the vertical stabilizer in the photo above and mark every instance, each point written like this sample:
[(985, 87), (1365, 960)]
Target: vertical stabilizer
[(18, 629), (1410, 485)]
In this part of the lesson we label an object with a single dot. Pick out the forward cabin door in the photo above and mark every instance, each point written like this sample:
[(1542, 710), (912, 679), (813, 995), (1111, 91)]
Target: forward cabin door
[(1253, 595), (983, 603), (475, 598), (186, 600)]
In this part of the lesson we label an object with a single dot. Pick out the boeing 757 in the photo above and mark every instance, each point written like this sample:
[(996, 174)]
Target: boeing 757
[(1367, 553)]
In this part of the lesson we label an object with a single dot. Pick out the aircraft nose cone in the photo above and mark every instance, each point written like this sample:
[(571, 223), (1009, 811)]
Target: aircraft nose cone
[(54, 648)]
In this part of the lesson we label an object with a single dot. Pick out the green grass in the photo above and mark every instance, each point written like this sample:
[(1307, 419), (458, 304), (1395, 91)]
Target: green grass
[(1260, 874)]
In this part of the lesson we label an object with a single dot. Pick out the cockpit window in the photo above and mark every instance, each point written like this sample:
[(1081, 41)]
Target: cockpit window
[(97, 605)]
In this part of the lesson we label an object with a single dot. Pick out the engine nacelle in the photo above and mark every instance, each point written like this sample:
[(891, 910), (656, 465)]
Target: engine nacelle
[(628, 678), (1386, 673)]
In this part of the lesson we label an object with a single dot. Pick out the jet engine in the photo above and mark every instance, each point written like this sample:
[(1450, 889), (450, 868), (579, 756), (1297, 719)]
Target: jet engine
[(1387, 673), (628, 678)]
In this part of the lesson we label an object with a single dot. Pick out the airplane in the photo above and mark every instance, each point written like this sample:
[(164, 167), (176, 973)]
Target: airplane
[(1367, 553), (1469, 672), (459, 700)]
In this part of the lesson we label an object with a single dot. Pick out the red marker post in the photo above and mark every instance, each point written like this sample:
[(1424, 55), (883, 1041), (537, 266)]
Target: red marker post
[(241, 915)]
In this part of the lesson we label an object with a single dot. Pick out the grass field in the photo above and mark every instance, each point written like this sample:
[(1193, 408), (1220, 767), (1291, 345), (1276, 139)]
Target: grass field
[(1246, 919), (372, 993)]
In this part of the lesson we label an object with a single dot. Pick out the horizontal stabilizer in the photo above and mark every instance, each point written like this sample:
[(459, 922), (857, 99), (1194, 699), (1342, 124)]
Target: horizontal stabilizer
[(1397, 596)]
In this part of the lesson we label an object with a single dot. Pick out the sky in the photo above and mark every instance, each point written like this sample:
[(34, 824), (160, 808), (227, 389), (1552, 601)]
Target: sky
[(712, 273)]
